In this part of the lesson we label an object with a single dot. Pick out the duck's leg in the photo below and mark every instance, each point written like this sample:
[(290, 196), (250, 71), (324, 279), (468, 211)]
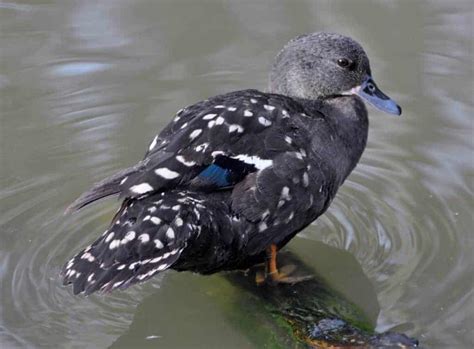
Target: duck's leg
[(273, 275)]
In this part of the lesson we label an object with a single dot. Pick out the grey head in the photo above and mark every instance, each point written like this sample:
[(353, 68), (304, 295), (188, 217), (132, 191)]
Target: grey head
[(322, 65)]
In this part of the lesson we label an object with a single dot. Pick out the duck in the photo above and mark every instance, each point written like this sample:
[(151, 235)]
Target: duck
[(233, 178)]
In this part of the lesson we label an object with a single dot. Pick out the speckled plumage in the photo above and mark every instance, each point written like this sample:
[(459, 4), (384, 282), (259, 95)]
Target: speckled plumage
[(232, 174)]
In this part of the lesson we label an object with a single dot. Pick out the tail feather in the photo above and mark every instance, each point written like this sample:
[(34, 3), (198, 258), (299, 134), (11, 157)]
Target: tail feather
[(147, 236), (106, 187)]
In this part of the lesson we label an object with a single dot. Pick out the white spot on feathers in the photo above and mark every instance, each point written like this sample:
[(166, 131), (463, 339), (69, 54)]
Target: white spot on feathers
[(121, 266), (166, 173), (70, 263), (285, 114), (153, 143), (132, 265), (219, 106), (253, 101), (109, 237), (155, 220), (144, 238), (310, 202), (269, 107), (285, 193), (248, 113), (123, 180), (209, 116), (184, 125), (202, 147), (170, 233), (195, 134), (158, 244), (305, 179), (178, 222), (156, 260), (141, 188), (263, 121), (196, 212), (130, 236), (162, 267), (220, 120), (172, 253), (182, 160), (288, 139), (262, 227), (114, 244), (211, 124), (90, 277), (235, 127), (88, 256), (232, 109)]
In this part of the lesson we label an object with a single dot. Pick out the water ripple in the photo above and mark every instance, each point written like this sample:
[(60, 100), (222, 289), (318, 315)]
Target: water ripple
[(39, 303)]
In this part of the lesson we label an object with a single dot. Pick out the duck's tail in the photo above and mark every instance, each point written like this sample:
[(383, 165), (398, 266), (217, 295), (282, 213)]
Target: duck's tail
[(106, 187), (146, 236)]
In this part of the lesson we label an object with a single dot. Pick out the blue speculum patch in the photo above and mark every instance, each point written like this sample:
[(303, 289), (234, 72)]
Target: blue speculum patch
[(216, 175)]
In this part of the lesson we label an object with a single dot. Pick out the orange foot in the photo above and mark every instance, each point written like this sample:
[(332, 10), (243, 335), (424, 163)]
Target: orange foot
[(274, 276)]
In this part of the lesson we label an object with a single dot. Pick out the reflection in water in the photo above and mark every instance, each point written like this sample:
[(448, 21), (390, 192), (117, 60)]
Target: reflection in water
[(85, 86)]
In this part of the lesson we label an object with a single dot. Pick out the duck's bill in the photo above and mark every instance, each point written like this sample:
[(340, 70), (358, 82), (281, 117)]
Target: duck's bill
[(369, 92)]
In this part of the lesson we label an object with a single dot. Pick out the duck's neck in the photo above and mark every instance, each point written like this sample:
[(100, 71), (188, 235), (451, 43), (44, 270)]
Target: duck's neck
[(348, 120), (349, 117)]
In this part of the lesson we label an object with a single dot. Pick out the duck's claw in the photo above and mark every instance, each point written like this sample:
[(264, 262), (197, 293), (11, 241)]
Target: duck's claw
[(281, 276)]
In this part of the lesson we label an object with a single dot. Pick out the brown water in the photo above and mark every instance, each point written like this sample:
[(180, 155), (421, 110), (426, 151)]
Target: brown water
[(85, 85)]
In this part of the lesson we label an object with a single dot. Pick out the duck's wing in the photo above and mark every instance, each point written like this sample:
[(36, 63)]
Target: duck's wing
[(210, 145)]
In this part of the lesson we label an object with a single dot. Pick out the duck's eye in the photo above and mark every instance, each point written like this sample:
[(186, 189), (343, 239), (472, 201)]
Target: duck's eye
[(343, 62)]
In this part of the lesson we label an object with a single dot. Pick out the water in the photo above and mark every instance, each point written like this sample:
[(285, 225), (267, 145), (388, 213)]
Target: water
[(84, 87)]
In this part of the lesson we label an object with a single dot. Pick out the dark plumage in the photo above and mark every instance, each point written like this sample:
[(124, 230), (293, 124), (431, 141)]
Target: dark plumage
[(236, 173)]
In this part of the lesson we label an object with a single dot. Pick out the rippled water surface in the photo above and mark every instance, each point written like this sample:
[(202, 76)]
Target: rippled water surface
[(85, 85)]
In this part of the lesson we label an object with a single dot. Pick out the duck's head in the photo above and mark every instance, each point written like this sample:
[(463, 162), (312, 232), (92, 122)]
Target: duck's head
[(322, 65)]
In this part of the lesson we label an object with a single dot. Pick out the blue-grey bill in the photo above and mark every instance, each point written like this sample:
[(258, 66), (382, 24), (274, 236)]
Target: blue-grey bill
[(369, 92)]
